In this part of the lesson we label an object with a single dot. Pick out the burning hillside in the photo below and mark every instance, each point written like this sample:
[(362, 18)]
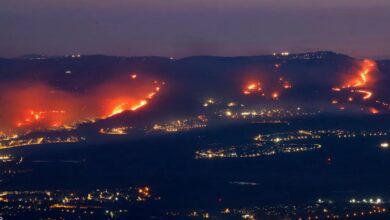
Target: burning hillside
[(362, 83), (37, 105)]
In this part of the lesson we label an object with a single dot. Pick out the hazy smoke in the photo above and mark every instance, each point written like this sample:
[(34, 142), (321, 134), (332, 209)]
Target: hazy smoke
[(37, 105)]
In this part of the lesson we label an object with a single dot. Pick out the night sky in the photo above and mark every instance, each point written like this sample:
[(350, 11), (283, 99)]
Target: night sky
[(192, 27)]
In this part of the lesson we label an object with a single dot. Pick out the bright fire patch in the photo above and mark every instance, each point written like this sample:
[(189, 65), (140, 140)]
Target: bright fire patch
[(35, 105)]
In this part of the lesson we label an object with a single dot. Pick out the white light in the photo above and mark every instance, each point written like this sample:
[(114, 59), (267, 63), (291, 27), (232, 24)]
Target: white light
[(384, 145)]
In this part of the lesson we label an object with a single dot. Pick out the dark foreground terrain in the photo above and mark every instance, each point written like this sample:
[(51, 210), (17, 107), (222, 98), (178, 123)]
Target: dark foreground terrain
[(160, 177)]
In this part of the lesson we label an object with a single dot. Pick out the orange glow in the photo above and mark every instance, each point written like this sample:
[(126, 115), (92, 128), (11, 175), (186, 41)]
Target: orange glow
[(36, 116), (363, 76), (134, 76), (150, 96), (252, 87), (275, 95), (373, 110), (367, 94), (126, 106), (336, 89), (278, 84), (287, 85), (363, 79), (139, 105), (119, 109), (35, 105)]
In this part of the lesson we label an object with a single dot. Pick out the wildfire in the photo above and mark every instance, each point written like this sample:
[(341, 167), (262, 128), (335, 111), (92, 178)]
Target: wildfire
[(119, 109), (362, 78), (336, 89), (54, 117), (367, 94), (252, 87), (278, 85), (139, 105), (125, 106), (360, 82), (275, 95), (36, 105), (287, 85), (373, 110)]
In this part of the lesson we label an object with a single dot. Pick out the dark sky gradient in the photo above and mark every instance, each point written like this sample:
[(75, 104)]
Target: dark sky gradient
[(192, 27)]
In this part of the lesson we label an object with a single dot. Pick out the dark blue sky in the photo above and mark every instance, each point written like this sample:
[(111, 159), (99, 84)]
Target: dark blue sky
[(191, 27)]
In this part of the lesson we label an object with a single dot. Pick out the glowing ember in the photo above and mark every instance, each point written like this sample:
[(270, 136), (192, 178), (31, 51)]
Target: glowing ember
[(373, 110), (287, 85), (150, 96), (252, 87), (336, 89), (367, 94), (275, 95), (256, 88)]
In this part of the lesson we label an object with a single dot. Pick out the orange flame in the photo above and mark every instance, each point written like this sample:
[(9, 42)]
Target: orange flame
[(373, 110), (125, 106), (367, 94), (256, 88), (35, 105), (363, 77), (275, 95), (360, 80), (252, 87)]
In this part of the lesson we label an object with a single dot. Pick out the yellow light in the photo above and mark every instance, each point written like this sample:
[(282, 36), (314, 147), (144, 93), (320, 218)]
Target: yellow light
[(228, 113)]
